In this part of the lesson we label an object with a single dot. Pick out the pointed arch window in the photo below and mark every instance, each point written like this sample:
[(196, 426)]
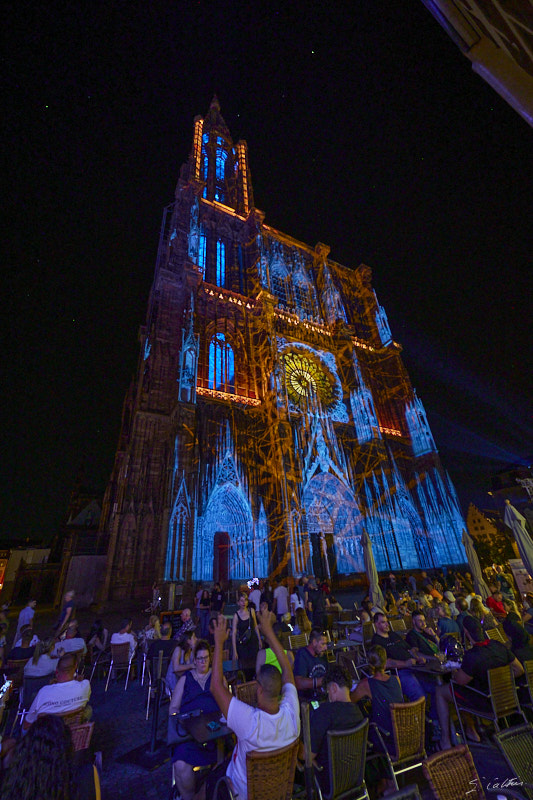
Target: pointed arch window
[(220, 170), (221, 364), (279, 285), (202, 251), (221, 263)]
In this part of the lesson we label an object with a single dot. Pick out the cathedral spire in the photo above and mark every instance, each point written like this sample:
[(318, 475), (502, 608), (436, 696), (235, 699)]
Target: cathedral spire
[(219, 164)]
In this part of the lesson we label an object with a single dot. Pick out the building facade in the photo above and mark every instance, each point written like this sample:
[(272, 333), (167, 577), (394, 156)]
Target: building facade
[(271, 419)]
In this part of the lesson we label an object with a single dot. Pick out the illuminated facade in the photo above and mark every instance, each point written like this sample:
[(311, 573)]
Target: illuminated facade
[(271, 410)]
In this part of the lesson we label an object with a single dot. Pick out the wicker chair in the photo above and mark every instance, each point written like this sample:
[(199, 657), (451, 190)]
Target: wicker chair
[(398, 625), (155, 673), (247, 692), (73, 717), (452, 775), (28, 693), (15, 671), (298, 640), (527, 687), (409, 793), (497, 634), (101, 659), (408, 737), (347, 659), (516, 744), (500, 702), (346, 759), (270, 775), (81, 735), (121, 659)]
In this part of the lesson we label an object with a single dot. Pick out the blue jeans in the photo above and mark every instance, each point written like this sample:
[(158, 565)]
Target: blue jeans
[(414, 687)]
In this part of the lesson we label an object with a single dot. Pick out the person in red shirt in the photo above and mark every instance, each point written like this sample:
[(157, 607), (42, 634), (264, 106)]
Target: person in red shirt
[(495, 603)]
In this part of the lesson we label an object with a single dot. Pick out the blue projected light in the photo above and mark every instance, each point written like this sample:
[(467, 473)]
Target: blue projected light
[(221, 364), (221, 263), (202, 250), (220, 164)]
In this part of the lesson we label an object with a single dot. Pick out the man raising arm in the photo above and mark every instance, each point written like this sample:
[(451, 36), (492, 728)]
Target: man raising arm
[(273, 724)]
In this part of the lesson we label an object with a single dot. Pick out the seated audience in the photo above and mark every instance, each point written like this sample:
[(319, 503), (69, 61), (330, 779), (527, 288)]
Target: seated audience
[(42, 662), (273, 724), (462, 607), (484, 654), (125, 635), (480, 612), (422, 639), (68, 694), (445, 622), (42, 766), (186, 625), (303, 623), (310, 665), (34, 639), (450, 599), (25, 650), (164, 644), (72, 641), (152, 630), (495, 603), (382, 688), (338, 714), (399, 656), (98, 636), (521, 643), (192, 692)]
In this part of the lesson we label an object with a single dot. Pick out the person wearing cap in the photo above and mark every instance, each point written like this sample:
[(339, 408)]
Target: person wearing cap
[(484, 654), (450, 599)]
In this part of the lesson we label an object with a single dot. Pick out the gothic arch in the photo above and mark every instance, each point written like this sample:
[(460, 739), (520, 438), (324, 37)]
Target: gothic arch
[(331, 509), (228, 511)]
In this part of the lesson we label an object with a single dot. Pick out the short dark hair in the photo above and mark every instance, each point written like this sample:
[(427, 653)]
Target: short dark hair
[(270, 680), (124, 623), (418, 613), (461, 604), (379, 614), (166, 629), (315, 634), (339, 675)]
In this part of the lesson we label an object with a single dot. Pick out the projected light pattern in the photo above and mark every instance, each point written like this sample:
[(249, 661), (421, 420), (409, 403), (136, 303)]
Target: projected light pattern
[(272, 420)]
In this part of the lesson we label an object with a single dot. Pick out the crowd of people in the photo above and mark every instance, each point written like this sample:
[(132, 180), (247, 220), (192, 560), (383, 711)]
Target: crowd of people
[(438, 610)]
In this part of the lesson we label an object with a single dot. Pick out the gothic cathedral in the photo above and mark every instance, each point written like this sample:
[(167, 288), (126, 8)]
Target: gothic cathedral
[(271, 420)]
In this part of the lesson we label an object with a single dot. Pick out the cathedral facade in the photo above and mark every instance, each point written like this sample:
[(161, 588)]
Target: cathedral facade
[(271, 419)]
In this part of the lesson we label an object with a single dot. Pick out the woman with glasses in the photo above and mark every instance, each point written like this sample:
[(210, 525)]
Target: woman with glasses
[(192, 692)]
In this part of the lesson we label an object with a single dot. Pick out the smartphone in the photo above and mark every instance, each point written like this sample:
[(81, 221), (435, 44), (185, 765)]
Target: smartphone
[(213, 725), (314, 704)]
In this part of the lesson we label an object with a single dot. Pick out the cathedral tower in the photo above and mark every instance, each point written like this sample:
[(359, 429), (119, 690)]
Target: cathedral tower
[(271, 419)]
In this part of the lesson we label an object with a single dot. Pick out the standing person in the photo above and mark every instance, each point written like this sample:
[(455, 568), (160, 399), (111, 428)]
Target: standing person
[(272, 725), (204, 607), (66, 613), (295, 602), (267, 595), (245, 637), (255, 597), (218, 599), (316, 605), (25, 618), (281, 599)]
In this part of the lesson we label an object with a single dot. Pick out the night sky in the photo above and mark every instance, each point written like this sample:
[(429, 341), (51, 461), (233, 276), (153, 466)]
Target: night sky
[(366, 129)]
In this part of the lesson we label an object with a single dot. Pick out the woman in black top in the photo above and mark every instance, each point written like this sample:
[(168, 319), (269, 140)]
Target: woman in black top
[(245, 636)]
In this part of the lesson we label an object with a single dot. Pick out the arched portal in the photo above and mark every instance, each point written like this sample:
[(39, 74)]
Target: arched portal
[(332, 510), (229, 518)]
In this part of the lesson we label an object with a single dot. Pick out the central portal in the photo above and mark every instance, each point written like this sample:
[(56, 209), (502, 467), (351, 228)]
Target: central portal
[(221, 557)]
